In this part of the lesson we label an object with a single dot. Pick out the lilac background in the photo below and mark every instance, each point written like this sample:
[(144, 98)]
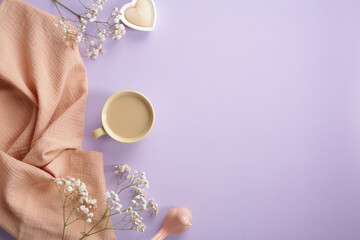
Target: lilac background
[(257, 116)]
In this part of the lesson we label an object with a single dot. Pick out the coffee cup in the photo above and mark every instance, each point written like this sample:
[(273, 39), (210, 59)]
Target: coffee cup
[(127, 117)]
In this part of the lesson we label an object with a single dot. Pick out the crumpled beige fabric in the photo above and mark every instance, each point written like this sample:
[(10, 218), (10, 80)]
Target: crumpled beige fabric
[(43, 93)]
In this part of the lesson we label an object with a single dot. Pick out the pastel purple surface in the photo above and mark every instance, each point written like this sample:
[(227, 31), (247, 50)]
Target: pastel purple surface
[(257, 106)]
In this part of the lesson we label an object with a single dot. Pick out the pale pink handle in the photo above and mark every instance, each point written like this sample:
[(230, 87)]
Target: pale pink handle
[(160, 235)]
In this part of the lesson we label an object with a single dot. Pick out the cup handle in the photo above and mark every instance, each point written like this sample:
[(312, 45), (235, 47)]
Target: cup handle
[(99, 132)]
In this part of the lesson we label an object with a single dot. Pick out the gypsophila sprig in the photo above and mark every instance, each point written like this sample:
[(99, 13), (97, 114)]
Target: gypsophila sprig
[(87, 17), (76, 202), (75, 196), (71, 37)]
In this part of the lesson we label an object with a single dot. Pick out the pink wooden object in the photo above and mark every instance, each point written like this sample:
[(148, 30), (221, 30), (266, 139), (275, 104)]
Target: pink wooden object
[(177, 220)]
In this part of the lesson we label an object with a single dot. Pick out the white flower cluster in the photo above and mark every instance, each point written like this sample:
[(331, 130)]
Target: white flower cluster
[(82, 25), (94, 9), (136, 219), (116, 30), (76, 191), (71, 37), (138, 202), (94, 41), (119, 28), (96, 49), (153, 207), (75, 195), (113, 201), (122, 168)]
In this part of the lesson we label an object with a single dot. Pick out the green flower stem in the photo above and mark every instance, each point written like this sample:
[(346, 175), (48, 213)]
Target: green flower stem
[(72, 221), (123, 229), (82, 3), (67, 220), (63, 232), (125, 188), (67, 8), (105, 214)]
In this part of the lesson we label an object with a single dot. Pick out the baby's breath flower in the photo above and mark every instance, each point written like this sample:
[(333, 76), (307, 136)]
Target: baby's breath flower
[(111, 27), (76, 196), (82, 187), (77, 182), (135, 183), (107, 195)]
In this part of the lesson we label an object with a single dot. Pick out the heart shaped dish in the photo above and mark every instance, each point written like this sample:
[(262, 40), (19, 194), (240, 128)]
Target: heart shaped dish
[(139, 15)]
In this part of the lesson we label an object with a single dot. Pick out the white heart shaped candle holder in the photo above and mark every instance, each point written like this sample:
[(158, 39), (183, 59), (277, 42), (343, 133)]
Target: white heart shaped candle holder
[(139, 15)]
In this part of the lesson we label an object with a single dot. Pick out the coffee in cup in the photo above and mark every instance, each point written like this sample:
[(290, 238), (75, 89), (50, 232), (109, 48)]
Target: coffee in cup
[(127, 117)]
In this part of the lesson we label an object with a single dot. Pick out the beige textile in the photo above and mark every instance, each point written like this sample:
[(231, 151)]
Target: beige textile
[(43, 93)]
